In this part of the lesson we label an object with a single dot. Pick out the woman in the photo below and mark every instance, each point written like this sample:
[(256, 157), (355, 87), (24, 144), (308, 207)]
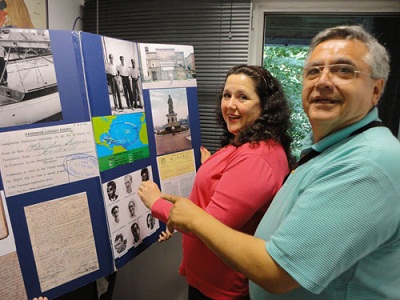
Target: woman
[(237, 183)]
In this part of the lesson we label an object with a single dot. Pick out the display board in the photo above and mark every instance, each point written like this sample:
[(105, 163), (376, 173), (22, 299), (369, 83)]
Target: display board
[(84, 119)]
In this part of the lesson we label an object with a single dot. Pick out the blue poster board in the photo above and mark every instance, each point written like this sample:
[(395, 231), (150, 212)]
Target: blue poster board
[(88, 145)]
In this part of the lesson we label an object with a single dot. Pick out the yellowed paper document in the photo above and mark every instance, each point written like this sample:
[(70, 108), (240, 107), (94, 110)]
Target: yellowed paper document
[(3, 221), (12, 284), (177, 172), (62, 240), (44, 157)]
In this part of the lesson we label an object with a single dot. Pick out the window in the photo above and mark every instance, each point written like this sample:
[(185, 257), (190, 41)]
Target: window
[(285, 62), (282, 42), (286, 40)]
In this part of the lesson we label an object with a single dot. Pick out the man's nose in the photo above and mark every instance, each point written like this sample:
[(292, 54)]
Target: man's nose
[(324, 77)]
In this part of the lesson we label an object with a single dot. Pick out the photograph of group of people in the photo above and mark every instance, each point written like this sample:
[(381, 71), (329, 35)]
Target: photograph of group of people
[(129, 220), (123, 75)]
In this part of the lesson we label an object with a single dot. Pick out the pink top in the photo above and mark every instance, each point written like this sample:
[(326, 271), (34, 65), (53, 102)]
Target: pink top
[(236, 186)]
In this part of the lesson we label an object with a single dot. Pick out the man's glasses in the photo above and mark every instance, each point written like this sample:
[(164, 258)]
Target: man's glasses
[(339, 74)]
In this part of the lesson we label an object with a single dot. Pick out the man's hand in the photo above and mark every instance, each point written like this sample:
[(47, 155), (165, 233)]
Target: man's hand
[(241, 251), (149, 193), (183, 214)]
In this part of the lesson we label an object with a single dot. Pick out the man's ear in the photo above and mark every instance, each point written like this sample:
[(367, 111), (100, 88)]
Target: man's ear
[(378, 90)]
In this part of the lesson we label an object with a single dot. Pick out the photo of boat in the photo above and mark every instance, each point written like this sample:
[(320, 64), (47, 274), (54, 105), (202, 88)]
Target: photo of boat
[(28, 84)]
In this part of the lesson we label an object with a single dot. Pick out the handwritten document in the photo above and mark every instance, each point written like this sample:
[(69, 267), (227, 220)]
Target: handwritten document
[(177, 172), (12, 284), (43, 157), (62, 240), (3, 221), (7, 242)]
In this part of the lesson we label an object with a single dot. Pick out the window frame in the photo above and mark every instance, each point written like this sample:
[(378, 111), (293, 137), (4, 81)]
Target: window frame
[(260, 8)]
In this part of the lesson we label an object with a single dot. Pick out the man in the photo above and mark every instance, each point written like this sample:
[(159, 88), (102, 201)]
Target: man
[(136, 232), (132, 209), (123, 71), (112, 73), (150, 221), (144, 173), (112, 190), (120, 243), (135, 84), (115, 213), (128, 180), (333, 230)]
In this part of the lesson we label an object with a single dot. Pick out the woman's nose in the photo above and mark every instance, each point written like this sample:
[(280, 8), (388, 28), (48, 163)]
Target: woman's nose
[(232, 102)]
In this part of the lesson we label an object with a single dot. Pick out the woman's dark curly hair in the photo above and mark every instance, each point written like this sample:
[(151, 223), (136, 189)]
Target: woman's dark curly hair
[(274, 121)]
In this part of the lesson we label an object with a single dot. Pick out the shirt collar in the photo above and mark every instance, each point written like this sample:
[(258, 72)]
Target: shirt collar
[(336, 137)]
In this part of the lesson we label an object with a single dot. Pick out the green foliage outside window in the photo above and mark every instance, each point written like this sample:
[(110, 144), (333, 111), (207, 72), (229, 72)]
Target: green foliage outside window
[(286, 64)]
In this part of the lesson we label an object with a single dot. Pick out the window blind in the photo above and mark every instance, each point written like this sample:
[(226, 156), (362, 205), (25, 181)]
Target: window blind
[(218, 31)]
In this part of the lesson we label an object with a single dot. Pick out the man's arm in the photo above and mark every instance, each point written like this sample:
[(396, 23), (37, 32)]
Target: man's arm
[(243, 252)]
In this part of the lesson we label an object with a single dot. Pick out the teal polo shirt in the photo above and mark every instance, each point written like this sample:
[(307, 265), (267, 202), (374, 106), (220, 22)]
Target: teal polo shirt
[(335, 224)]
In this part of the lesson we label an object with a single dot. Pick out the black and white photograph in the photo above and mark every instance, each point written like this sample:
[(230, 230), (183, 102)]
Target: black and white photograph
[(28, 84), (132, 209), (126, 213), (128, 181), (135, 229), (150, 221), (122, 69), (112, 191), (115, 213), (120, 243)]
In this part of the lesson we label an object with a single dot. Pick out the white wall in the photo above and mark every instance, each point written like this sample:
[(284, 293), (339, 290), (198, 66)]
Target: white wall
[(63, 13)]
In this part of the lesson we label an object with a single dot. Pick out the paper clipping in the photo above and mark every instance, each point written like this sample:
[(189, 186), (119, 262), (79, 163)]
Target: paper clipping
[(120, 139), (62, 240), (39, 158), (177, 172), (129, 220)]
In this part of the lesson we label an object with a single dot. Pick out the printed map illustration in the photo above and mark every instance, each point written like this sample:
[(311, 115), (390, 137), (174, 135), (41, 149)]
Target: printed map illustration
[(120, 139)]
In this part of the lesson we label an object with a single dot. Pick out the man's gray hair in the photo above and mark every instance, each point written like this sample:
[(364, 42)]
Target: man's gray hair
[(377, 57)]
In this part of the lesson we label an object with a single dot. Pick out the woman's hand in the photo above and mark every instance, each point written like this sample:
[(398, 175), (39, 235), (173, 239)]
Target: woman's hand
[(164, 236), (149, 193), (205, 154), (40, 298)]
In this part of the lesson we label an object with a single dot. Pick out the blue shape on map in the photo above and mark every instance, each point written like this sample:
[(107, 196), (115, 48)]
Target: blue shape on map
[(122, 133)]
